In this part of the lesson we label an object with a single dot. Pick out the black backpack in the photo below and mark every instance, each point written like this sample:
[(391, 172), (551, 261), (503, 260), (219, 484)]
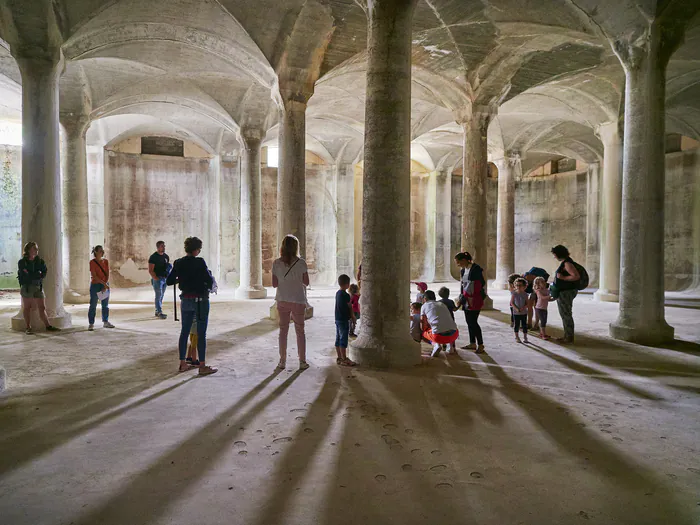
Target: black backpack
[(583, 277)]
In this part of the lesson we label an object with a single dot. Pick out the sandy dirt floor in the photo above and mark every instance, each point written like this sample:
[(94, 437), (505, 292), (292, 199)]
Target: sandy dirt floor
[(98, 428)]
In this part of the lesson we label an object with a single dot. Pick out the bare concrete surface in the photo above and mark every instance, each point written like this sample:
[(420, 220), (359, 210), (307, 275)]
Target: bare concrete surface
[(99, 428)]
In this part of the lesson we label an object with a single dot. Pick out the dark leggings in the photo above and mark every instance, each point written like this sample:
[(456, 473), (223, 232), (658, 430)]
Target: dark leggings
[(520, 320), (472, 318)]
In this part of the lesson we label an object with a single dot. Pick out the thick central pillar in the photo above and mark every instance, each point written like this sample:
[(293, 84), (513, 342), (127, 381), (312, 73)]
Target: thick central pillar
[(505, 235), (291, 175), (476, 169), (251, 218), (384, 339), (609, 282), (41, 179), (76, 223), (641, 318)]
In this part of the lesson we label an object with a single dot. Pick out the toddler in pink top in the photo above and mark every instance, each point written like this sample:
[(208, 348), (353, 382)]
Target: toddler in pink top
[(543, 298), (355, 305)]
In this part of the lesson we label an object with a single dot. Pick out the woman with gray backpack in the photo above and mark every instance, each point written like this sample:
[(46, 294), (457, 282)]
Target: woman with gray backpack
[(570, 277)]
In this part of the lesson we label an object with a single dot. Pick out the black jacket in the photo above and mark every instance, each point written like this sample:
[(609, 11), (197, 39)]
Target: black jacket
[(35, 271), (193, 276)]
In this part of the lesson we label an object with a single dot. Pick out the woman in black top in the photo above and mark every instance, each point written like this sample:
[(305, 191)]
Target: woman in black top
[(566, 281), (195, 281), (31, 270)]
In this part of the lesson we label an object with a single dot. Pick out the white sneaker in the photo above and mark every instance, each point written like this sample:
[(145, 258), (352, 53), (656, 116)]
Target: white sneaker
[(91, 328), (107, 324), (436, 350)]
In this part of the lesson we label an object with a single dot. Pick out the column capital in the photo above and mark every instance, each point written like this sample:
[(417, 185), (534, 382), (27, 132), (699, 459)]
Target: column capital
[(610, 133), (75, 124), (249, 136), (473, 113), (508, 158)]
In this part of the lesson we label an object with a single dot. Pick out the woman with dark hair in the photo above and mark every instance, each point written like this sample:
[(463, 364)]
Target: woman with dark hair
[(195, 281), (31, 270), (99, 287), (290, 277), (472, 295), (566, 281)]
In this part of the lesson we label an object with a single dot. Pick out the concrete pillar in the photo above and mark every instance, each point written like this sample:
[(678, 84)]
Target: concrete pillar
[(443, 225), (345, 219), (384, 339), (505, 236), (251, 218), (476, 169), (593, 223), (213, 227), (609, 282), (76, 222), (641, 315), (291, 175), (41, 181)]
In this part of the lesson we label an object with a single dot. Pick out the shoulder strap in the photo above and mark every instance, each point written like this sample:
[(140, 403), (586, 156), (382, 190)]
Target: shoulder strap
[(292, 266), (100, 267)]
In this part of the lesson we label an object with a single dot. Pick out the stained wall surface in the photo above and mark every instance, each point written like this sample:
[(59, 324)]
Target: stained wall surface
[(10, 214)]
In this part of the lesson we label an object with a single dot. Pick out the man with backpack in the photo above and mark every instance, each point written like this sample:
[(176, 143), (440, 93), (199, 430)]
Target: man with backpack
[(570, 277)]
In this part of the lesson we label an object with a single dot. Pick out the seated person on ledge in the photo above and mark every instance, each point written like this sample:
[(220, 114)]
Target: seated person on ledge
[(438, 325)]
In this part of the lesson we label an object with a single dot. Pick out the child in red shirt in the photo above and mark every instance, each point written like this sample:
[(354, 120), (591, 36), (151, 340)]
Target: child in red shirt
[(355, 305)]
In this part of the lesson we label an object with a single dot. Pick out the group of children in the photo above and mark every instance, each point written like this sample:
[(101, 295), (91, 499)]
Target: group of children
[(521, 302), (422, 296), (347, 313)]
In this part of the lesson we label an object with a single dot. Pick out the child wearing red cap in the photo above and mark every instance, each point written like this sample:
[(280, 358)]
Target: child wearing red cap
[(422, 287)]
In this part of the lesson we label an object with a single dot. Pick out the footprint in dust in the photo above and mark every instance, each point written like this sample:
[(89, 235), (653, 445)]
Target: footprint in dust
[(389, 426), (309, 430), (443, 486), (300, 418), (282, 440), (583, 515), (407, 467), (380, 478), (390, 440), (477, 475), (438, 468), (694, 470), (242, 452), (618, 439), (240, 444), (298, 410), (415, 451), (436, 452), (307, 404), (409, 431), (258, 431)]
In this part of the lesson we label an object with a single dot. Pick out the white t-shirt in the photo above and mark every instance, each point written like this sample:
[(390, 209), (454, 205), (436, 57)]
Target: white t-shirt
[(438, 316), (291, 288)]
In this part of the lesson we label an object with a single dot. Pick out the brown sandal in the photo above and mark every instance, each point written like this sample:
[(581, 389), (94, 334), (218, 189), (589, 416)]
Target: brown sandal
[(187, 368), (207, 370)]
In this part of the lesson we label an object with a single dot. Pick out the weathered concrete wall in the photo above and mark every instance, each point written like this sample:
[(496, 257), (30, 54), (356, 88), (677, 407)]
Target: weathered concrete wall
[(96, 194), (150, 198), (230, 212), (550, 210), (321, 224), (10, 214), (270, 249), (682, 220)]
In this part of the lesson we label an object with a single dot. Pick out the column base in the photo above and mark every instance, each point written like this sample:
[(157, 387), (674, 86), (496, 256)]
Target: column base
[(606, 296), (63, 320), (649, 334), (499, 284), (74, 297), (380, 353), (274, 314), (251, 292), (488, 303)]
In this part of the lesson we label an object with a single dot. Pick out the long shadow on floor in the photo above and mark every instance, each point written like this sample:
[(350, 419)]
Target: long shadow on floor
[(35, 424), (175, 473)]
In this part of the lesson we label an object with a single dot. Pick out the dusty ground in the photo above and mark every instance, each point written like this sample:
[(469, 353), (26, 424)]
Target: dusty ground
[(97, 428)]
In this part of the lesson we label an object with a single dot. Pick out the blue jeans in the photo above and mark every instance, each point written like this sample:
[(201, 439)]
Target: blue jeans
[(94, 288), (159, 287), (194, 309), (342, 329)]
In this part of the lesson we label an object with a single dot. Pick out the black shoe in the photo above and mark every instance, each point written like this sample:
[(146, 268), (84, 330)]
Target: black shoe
[(52, 329)]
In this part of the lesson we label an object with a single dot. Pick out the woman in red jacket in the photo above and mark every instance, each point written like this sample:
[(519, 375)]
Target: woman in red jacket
[(473, 293)]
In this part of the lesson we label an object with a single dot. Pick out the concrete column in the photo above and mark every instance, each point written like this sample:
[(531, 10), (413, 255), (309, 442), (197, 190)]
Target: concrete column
[(213, 227), (76, 222), (443, 225), (641, 316), (291, 175), (384, 339), (251, 218), (593, 223), (505, 236), (345, 215), (476, 169), (41, 180), (609, 282)]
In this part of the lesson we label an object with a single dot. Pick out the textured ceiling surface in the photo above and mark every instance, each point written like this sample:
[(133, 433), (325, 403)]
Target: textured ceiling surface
[(205, 69)]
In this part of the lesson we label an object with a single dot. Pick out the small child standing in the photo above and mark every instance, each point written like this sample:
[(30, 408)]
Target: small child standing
[(355, 305), (543, 299), (420, 295), (416, 331), (511, 287), (444, 294), (343, 316), (518, 302)]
